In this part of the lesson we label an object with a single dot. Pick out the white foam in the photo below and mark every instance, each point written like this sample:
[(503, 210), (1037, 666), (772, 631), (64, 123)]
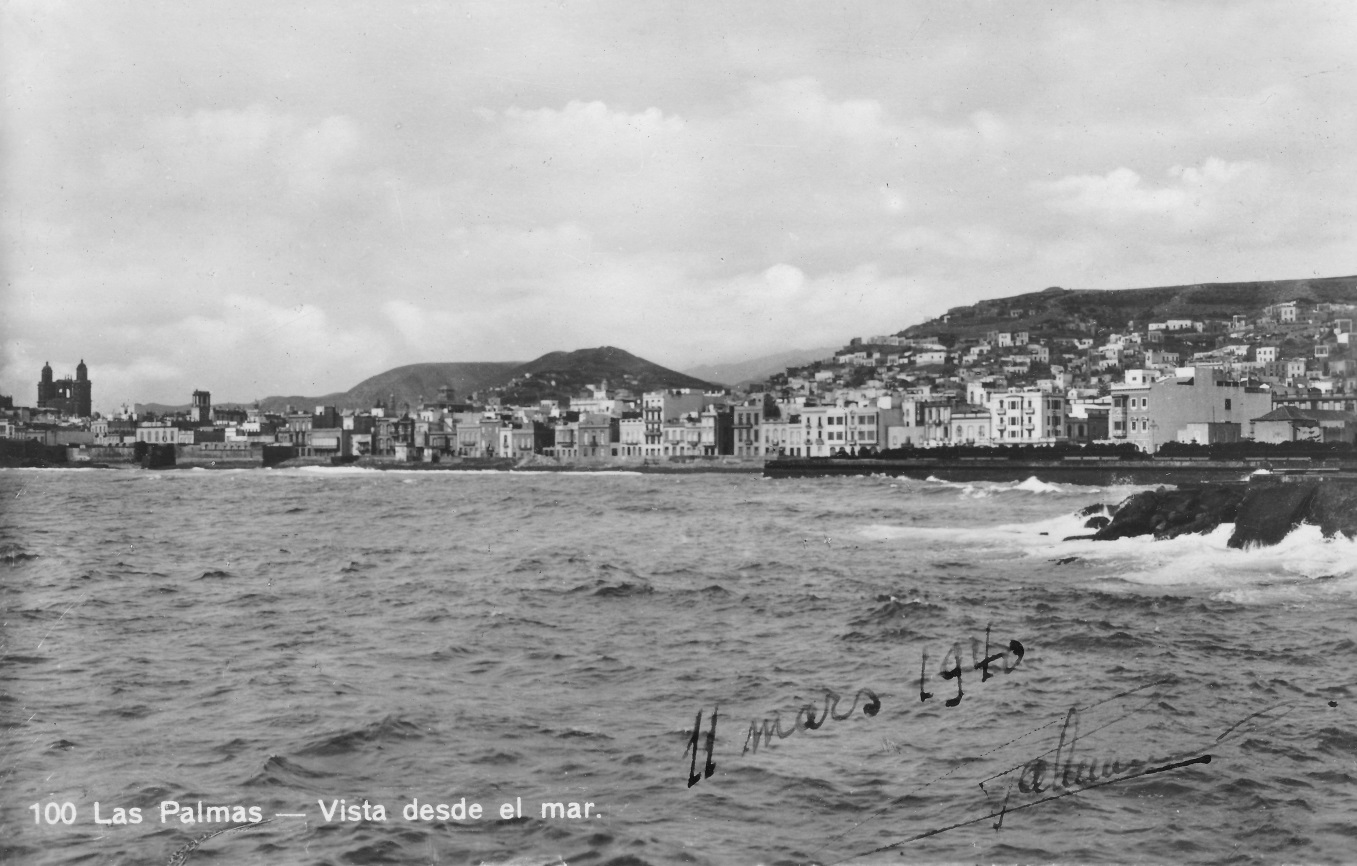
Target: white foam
[(1255, 575), (1033, 484)]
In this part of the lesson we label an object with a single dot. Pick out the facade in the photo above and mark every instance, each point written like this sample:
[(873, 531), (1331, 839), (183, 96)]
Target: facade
[(971, 425), (598, 436), (631, 435), (824, 430), (68, 396), (746, 424), (1027, 417), (1156, 413), (661, 407), (1209, 433)]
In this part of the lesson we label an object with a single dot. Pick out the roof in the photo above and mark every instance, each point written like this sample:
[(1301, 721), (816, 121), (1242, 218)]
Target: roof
[(1292, 413)]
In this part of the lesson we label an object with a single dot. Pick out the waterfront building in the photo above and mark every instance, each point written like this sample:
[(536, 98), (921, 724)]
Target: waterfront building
[(971, 425), (1028, 416), (659, 408), (598, 435), (824, 430), (1157, 412), (746, 424), (631, 435)]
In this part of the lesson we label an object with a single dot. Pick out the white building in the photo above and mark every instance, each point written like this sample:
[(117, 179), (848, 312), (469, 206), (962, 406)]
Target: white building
[(1025, 417)]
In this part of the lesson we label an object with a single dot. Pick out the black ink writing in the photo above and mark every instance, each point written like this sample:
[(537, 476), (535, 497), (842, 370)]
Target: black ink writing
[(805, 719), (693, 776), (981, 663)]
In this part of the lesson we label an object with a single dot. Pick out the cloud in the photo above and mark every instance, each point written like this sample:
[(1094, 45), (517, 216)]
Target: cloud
[(195, 189), (1196, 198)]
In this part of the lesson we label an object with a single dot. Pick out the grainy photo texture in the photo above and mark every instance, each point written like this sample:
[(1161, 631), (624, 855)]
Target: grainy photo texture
[(634, 433)]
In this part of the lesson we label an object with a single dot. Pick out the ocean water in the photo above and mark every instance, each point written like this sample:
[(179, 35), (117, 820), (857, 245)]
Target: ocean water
[(282, 640)]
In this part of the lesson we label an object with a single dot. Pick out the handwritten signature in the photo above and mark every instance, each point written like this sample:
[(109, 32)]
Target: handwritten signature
[(805, 719)]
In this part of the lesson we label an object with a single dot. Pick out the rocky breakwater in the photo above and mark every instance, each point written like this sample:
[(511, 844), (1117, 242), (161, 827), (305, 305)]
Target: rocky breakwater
[(1263, 512)]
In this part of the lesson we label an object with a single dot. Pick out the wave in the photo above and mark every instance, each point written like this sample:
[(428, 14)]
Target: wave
[(389, 729), (1304, 564), (1031, 484)]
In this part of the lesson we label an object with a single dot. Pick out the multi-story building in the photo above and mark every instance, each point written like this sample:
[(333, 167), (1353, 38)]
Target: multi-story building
[(661, 407), (865, 429), (631, 431), (598, 435), (1026, 417), (1156, 412), (682, 436), (717, 433), (746, 425)]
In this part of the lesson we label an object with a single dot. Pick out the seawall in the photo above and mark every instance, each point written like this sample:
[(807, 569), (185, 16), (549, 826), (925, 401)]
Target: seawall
[(1098, 472)]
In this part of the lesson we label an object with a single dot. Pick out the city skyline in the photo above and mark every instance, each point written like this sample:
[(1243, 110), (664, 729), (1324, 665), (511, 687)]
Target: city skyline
[(274, 199)]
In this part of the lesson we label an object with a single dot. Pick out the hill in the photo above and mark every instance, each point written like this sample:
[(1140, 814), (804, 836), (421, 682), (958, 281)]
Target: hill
[(562, 374), (735, 373), (409, 384), (553, 376), (1056, 310)]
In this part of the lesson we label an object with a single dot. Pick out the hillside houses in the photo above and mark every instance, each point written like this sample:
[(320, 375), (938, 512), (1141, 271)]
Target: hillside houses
[(984, 382)]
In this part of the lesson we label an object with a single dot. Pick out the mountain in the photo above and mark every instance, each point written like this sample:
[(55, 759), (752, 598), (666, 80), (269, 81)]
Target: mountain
[(563, 374), (1057, 310), (409, 384), (733, 373), (553, 376)]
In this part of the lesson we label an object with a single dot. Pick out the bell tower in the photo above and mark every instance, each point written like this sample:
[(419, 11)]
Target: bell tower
[(81, 391)]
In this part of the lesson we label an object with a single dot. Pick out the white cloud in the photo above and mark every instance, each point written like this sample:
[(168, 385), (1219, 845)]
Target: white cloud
[(1197, 197), (194, 189)]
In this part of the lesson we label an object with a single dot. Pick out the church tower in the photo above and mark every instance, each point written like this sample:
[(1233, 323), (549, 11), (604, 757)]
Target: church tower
[(47, 389), (82, 391)]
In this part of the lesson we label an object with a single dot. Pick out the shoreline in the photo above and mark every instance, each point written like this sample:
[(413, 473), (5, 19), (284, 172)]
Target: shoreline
[(1093, 472)]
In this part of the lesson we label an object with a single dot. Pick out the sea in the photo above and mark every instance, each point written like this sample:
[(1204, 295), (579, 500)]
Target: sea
[(348, 666)]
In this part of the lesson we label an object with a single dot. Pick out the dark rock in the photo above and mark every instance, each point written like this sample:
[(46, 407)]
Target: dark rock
[(1271, 511), (1263, 512), (1334, 509), (1098, 521), (1210, 508), (1090, 510), (1167, 513), (1135, 517)]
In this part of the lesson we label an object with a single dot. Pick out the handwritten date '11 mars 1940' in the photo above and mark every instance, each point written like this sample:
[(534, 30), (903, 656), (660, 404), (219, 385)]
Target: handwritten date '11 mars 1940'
[(806, 719)]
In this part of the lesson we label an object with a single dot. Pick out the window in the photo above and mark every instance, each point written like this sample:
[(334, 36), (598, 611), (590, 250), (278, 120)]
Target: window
[(1227, 404)]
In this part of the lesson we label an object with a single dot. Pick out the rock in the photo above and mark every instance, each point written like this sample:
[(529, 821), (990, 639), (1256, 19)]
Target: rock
[(1270, 511), (1212, 506), (1334, 509), (1090, 510), (1135, 517), (1098, 521), (1167, 513), (1263, 513)]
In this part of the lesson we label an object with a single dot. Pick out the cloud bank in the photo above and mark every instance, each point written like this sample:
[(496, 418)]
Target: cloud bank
[(269, 198)]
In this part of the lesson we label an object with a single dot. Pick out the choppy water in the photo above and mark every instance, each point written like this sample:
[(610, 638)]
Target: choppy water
[(275, 639)]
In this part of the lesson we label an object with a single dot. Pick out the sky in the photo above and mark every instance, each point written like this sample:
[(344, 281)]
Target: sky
[(258, 198)]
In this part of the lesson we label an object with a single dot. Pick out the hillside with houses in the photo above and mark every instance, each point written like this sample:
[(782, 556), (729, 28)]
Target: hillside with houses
[(1206, 364)]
